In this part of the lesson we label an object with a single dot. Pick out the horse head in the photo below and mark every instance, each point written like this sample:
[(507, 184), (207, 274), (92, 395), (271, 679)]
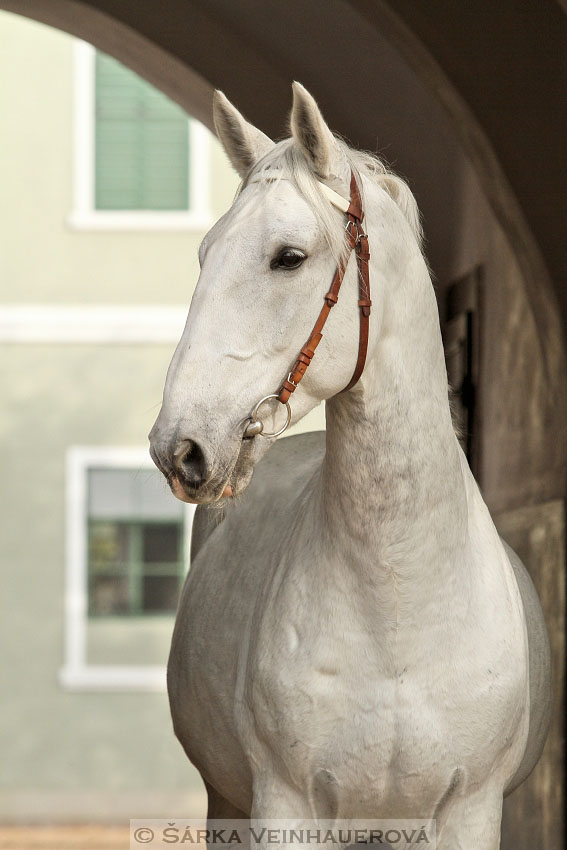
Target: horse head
[(265, 268)]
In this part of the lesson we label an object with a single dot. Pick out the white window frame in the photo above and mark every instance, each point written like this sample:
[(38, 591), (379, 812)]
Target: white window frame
[(84, 216), (76, 673), (85, 324)]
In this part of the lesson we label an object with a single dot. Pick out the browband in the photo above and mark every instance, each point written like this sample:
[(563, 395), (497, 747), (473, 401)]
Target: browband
[(337, 200)]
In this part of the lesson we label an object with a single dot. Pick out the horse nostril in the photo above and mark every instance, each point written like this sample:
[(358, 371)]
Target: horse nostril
[(189, 462)]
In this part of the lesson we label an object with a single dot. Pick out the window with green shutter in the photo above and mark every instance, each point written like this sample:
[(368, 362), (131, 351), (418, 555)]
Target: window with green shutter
[(135, 544), (141, 143)]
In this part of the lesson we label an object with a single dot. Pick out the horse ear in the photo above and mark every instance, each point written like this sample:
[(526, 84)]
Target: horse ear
[(312, 134), (244, 144)]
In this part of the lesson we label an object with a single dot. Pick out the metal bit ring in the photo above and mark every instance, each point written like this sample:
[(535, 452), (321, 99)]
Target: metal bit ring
[(253, 429)]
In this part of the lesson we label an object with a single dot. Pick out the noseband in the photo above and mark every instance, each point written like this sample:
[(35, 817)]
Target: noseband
[(357, 239)]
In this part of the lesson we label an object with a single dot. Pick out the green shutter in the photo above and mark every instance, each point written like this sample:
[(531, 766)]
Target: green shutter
[(141, 143)]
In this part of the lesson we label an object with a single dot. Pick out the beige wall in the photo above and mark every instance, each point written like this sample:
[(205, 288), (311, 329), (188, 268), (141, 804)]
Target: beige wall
[(55, 742), (42, 258), (66, 755)]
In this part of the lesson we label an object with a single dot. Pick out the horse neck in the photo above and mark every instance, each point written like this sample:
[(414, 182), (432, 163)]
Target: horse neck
[(392, 486)]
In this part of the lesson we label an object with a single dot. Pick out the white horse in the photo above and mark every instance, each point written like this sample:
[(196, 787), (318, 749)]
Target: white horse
[(353, 640)]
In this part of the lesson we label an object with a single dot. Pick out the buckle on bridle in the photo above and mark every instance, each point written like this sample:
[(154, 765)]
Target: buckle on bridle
[(355, 231)]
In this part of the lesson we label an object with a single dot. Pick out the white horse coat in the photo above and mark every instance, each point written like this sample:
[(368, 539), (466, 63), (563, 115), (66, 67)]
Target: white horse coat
[(352, 640)]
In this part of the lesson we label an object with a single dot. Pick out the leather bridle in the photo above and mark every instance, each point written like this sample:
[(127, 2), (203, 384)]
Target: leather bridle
[(357, 240)]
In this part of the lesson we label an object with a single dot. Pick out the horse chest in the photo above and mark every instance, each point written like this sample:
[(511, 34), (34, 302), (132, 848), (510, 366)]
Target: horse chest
[(334, 696), (363, 732), (324, 677)]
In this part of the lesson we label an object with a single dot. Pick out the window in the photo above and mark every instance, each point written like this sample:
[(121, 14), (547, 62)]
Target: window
[(141, 143), (127, 553), (135, 544), (140, 162)]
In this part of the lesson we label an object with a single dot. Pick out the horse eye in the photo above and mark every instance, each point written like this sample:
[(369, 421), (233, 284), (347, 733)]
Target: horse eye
[(289, 258)]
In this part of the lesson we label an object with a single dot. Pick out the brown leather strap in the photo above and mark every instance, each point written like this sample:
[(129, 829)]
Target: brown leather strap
[(364, 303), (359, 241)]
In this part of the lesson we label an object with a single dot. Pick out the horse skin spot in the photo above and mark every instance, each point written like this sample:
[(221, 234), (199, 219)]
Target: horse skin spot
[(327, 671)]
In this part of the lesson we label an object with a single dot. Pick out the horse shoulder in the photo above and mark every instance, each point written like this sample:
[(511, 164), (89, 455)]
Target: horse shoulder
[(230, 553)]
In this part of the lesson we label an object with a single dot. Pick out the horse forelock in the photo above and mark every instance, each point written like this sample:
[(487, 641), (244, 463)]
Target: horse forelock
[(287, 161)]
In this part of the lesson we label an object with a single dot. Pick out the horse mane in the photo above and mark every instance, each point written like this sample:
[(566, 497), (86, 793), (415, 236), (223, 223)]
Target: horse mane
[(287, 160)]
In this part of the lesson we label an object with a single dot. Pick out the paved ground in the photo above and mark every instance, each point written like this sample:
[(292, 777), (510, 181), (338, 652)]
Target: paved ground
[(64, 838)]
